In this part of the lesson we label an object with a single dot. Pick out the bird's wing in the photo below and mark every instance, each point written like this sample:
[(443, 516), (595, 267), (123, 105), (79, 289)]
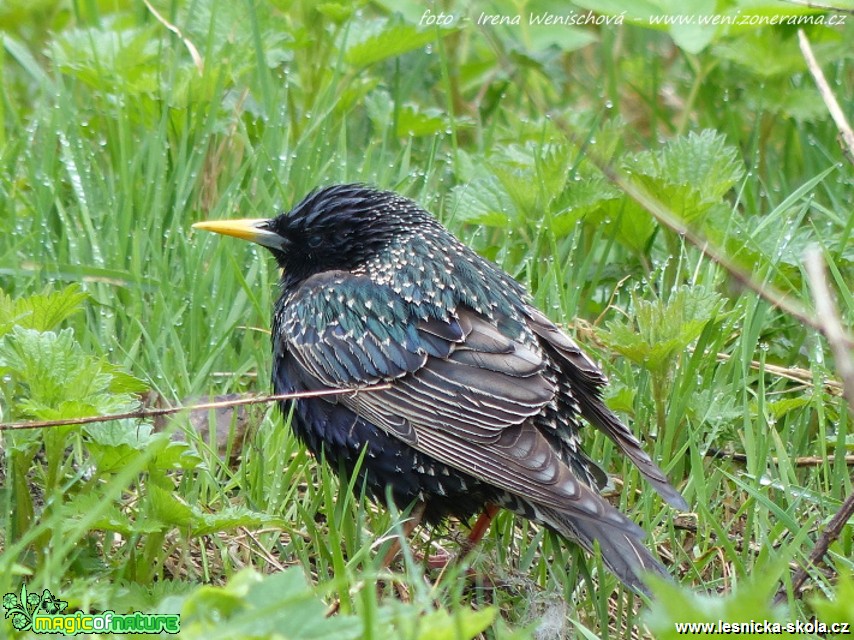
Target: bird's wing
[(588, 380), (460, 391)]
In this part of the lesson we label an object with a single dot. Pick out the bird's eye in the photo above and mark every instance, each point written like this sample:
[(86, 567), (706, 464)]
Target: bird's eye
[(314, 241)]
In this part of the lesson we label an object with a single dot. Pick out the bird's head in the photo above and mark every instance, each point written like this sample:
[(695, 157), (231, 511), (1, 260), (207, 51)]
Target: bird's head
[(335, 228)]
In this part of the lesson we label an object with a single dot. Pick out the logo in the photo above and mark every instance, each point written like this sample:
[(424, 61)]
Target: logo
[(44, 614)]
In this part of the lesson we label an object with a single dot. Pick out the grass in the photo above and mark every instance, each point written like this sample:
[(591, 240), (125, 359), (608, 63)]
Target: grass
[(112, 142)]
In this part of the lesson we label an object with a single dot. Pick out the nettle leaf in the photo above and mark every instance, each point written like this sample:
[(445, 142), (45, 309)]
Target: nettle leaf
[(840, 608), (412, 120), (532, 174), (694, 37), (751, 601), (254, 606), (582, 197), (60, 380), (52, 366), (231, 518), (110, 60), (703, 160), (116, 444), (658, 330), (389, 41), (115, 433), (165, 506), (634, 224), (42, 311), (780, 408), (483, 201), (519, 182), (444, 625), (123, 382), (337, 12), (691, 173), (764, 52), (108, 516), (68, 409)]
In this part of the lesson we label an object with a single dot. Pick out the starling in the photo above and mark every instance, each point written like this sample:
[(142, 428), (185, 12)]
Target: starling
[(485, 394)]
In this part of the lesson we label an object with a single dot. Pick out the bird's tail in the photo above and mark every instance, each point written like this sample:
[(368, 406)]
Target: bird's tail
[(595, 410), (622, 548)]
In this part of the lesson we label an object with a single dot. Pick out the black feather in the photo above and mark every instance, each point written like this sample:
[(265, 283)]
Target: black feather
[(486, 393)]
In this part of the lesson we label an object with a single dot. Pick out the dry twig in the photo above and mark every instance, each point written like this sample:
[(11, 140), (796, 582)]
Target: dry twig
[(151, 413), (194, 53), (834, 332), (846, 135)]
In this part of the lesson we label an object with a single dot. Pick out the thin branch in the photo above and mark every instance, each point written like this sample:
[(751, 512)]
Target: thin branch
[(834, 332), (831, 532), (831, 324), (151, 413), (846, 135), (194, 53), (802, 461), (821, 6), (795, 374)]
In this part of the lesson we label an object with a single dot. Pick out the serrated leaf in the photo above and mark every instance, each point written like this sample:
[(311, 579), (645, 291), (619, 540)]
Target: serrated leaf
[(114, 433), (840, 607), (444, 625), (675, 605), (123, 382), (691, 173), (335, 11), (659, 330), (165, 506), (764, 52), (634, 224), (113, 60), (482, 201), (52, 366), (42, 311), (231, 518), (390, 42), (54, 379), (704, 161), (115, 444), (780, 408), (252, 606), (413, 121)]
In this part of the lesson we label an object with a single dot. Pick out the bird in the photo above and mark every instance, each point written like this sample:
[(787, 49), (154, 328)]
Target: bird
[(482, 398)]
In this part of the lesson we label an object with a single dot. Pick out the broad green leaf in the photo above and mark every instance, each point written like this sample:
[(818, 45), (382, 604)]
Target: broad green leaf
[(840, 607), (390, 42), (251, 606), (749, 603), (56, 379), (692, 36), (109, 60), (413, 121), (444, 625), (482, 201), (659, 330), (231, 518), (166, 507), (42, 311)]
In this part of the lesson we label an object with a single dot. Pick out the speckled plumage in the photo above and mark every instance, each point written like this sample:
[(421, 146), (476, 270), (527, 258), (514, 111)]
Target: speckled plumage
[(486, 394)]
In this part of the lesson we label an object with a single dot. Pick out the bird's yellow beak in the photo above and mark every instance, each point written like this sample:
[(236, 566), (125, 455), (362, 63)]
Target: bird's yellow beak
[(252, 229)]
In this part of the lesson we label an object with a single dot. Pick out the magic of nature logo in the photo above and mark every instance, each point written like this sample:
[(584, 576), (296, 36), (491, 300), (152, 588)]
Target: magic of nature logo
[(45, 614)]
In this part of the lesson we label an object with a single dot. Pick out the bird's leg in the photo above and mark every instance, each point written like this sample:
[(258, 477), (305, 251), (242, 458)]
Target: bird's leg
[(408, 527), (440, 561), (480, 527)]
